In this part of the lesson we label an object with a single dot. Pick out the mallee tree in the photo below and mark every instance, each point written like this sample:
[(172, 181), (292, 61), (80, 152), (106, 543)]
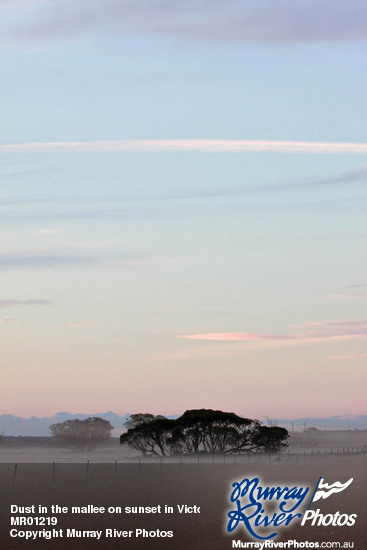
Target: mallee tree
[(80, 435), (203, 430)]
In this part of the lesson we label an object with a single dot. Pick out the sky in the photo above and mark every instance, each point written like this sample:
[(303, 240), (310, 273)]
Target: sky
[(183, 206)]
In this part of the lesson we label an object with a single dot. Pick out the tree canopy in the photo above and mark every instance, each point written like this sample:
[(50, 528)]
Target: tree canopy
[(203, 430), (134, 420), (82, 435)]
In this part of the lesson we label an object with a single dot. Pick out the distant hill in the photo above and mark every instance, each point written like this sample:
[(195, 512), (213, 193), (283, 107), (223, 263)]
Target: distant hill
[(330, 423), (34, 426), (16, 426)]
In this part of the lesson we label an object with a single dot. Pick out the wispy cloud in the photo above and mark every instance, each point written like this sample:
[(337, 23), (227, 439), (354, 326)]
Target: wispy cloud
[(308, 333), (128, 200), (194, 145), (50, 260), (30, 260), (78, 324), (349, 295), (50, 232), (12, 303), (346, 357), (241, 21), (353, 176), (351, 287)]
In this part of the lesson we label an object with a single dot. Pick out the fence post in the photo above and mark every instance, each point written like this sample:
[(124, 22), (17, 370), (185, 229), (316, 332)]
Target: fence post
[(15, 472), (53, 471), (87, 469)]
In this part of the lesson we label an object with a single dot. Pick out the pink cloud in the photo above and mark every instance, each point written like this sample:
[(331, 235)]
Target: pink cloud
[(244, 336), (50, 232), (12, 303), (344, 357), (201, 145), (309, 332), (78, 324)]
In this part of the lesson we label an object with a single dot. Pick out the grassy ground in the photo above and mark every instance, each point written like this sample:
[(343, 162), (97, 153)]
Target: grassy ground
[(205, 485)]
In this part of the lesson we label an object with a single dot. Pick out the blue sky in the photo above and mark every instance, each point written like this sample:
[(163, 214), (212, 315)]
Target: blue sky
[(162, 248)]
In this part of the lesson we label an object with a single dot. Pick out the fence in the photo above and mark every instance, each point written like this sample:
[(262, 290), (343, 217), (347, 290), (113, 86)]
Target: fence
[(205, 459)]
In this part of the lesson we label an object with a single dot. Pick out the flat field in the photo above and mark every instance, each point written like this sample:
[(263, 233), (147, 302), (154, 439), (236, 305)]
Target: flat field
[(205, 484)]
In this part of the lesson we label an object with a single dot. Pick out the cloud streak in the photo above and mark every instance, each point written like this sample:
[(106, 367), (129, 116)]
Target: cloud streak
[(351, 177), (29, 260), (193, 145), (5, 320), (354, 176), (349, 296), (234, 21), (308, 333), (346, 357), (12, 303)]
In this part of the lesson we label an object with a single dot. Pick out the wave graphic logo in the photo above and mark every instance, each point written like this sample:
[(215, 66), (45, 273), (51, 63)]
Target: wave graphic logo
[(324, 490)]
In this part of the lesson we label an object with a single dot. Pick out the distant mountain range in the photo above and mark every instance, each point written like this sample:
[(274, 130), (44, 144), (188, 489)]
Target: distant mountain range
[(34, 426), (329, 423), (16, 426)]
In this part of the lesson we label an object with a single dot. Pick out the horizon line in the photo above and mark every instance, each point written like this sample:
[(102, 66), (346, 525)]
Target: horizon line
[(345, 416)]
